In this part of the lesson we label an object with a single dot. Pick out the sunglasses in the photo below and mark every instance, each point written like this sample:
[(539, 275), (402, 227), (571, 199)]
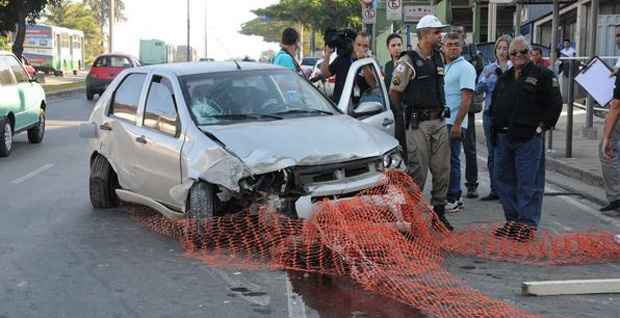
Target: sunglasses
[(523, 52)]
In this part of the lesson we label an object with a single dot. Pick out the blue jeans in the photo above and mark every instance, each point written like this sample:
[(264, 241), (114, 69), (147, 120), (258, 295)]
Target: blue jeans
[(486, 125), (520, 178), (454, 188)]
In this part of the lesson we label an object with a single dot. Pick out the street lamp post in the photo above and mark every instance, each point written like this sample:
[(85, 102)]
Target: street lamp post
[(188, 47), (111, 30)]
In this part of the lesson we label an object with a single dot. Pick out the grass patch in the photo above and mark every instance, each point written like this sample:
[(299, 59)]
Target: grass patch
[(51, 88)]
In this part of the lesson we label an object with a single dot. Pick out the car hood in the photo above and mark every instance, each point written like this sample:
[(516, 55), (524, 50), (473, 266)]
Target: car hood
[(273, 145)]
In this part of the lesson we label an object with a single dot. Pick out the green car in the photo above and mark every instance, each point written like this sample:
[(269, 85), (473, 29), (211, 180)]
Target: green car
[(22, 104)]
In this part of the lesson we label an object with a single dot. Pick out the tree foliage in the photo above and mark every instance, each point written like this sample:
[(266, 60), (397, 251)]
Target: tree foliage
[(79, 16), (313, 15), (18, 12), (101, 9), (316, 14)]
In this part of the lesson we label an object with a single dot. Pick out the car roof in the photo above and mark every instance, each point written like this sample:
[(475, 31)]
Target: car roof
[(191, 68), (116, 54)]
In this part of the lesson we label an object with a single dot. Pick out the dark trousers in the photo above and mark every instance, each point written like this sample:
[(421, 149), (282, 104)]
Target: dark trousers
[(520, 178), (486, 124), (469, 146)]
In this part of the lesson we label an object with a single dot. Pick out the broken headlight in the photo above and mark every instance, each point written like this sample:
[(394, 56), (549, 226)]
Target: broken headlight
[(393, 159)]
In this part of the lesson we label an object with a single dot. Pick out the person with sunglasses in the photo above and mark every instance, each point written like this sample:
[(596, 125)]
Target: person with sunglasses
[(526, 102), (610, 143)]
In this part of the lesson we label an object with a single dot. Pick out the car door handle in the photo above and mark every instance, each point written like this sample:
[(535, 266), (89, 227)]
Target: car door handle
[(105, 126), (141, 140), (387, 122)]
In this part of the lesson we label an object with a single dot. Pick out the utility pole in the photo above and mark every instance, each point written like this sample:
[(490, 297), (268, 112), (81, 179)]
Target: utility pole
[(518, 9), (206, 28), (554, 31), (591, 53), (111, 31), (189, 51)]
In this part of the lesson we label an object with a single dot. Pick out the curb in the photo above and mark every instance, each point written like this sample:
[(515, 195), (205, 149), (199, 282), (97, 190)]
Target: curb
[(582, 175)]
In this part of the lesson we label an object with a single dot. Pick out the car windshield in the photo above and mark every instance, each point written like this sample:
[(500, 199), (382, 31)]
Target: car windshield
[(310, 61), (223, 98)]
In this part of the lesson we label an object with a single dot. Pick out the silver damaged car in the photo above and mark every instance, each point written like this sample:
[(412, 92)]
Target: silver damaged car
[(203, 139)]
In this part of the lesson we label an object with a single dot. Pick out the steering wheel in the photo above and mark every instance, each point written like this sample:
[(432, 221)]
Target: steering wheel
[(271, 105)]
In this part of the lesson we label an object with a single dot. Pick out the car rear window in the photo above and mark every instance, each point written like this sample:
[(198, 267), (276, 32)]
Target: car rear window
[(113, 61)]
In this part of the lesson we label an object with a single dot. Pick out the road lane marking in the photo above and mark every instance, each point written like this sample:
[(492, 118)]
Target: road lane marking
[(33, 174), (296, 305)]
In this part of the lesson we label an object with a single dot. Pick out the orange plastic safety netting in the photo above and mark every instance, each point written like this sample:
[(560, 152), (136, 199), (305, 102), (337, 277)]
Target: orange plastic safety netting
[(386, 240)]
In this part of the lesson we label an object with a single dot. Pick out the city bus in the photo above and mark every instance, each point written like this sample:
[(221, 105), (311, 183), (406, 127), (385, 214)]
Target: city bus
[(53, 49)]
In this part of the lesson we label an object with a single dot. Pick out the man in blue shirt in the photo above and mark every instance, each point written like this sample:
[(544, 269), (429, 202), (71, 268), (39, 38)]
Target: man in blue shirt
[(459, 83), (289, 46)]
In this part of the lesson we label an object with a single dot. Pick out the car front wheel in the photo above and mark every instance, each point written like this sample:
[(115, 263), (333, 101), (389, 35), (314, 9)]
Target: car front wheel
[(36, 133), (6, 137), (103, 183), (202, 201)]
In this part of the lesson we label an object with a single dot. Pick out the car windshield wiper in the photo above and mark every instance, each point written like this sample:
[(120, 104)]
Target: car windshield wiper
[(304, 111), (246, 116)]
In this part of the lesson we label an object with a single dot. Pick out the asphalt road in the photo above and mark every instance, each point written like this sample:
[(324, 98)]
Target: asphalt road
[(61, 258)]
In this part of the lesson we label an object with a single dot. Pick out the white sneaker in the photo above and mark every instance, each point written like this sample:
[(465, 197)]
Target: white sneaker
[(455, 207)]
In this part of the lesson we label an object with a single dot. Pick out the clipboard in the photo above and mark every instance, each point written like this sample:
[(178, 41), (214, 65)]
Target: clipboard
[(597, 80)]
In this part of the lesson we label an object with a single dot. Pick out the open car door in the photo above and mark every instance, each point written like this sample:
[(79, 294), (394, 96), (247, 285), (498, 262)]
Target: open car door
[(365, 97)]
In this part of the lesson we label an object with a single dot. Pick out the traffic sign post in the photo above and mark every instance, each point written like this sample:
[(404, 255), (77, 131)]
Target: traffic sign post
[(394, 10)]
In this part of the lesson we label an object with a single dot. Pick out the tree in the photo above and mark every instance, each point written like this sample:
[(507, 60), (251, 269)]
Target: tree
[(101, 9), (315, 15), (18, 12), (78, 16), (271, 31)]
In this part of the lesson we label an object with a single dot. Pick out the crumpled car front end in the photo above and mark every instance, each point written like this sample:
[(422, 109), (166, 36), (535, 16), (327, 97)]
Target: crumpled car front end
[(290, 164)]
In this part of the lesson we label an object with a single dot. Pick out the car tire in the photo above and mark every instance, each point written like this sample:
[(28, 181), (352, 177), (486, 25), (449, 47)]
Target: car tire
[(102, 184), (6, 137), (90, 95), (202, 201), (36, 134)]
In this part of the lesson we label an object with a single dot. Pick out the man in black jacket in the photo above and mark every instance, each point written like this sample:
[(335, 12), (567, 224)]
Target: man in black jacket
[(526, 102)]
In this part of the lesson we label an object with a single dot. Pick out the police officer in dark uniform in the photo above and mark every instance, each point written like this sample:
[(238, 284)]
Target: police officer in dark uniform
[(526, 102), (417, 85)]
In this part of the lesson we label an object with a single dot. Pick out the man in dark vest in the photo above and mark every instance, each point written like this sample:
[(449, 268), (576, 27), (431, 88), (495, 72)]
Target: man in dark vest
[(417, 87), (526, 103)]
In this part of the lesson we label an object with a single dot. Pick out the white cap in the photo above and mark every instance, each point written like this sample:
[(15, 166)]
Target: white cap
[(430, 21)]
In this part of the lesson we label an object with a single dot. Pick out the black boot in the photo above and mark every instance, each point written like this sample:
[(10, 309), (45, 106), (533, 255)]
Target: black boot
[(440, 221), (613, 205)]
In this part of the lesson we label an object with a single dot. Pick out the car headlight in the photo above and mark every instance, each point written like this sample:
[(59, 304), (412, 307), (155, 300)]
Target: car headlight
[(393, 159)]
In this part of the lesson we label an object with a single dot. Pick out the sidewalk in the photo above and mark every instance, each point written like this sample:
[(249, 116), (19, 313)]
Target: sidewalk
[(68, 83), (583, 168)]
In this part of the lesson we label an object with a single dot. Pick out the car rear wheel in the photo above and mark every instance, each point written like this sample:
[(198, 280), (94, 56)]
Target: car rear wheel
[(102, 184), (6, 137), (36, 133)]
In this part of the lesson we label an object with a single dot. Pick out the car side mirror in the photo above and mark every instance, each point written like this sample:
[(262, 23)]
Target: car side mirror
[(368, 108)]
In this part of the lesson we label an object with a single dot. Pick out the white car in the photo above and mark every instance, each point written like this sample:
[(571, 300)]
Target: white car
[(198, 139)]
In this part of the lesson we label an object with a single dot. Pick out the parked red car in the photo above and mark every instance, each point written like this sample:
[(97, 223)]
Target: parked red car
[(104, 70)]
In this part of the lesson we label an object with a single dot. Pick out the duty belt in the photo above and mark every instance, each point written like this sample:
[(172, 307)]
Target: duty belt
[(428, 114)]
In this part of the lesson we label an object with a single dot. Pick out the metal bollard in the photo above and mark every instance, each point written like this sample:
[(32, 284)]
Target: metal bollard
[(569, 111)]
